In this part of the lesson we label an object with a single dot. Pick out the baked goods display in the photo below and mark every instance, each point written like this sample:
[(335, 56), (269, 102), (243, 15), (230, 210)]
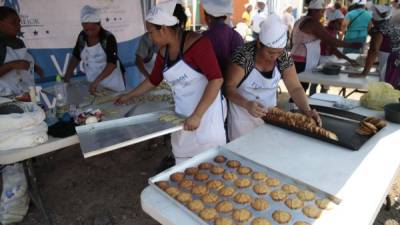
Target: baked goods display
[(225, 191), (299, 121), (370, 126)]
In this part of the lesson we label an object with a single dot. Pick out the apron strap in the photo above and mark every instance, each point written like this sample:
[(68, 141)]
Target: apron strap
[(167, 62)]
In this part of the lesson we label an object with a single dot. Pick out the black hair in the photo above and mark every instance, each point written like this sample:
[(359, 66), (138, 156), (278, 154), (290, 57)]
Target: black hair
[(338, 5), (6, 11), (179, 13)]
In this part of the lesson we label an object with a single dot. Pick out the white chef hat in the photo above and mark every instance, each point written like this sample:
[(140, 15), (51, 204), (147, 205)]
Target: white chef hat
[(273, 32), (334, 14), (262, 1), (218, 8), (163, 14), (247, 5), (90, 14), (359, 2), (317, 4), (381, 12)]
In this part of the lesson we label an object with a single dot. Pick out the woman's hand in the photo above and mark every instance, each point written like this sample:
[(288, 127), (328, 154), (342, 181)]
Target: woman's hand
[(314, 114), (19, 65), (192, 123), (125, 99), (256, 109), (93, 88)]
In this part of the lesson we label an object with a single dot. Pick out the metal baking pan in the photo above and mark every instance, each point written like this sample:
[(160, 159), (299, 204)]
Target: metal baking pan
[(209, 156), (106, 136)]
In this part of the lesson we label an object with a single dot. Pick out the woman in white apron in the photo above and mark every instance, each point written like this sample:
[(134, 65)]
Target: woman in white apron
[(17, 66), (188, 64), (253, 79), (97, 48), (308, 33)]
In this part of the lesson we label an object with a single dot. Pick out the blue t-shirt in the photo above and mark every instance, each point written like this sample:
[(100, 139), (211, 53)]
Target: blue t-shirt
[(359, 19)]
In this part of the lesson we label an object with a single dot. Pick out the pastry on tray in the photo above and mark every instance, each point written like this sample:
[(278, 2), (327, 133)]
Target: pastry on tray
[(223, 221), (177, 177), (273, 182), (312, 212), (224, 207), (210, 198), (243, 183), (227, 191), (162, 184), (259, 176), (220, 159), (196, 206), (215, 184), (278, 195), (294, 203), (244, 170), (233, 164), (242, 198), (290, 188), (306, 195), (324, 203), (208, 214), (370, 126), (241, 215), (184, 197), (201, 176), (205, 166), (281, 217), (261, 189), (260, 204), (217, 170), (186, 184), (199, 190), (301, 223), (191, 171), (229, 176), (261, 221), (172, 191)]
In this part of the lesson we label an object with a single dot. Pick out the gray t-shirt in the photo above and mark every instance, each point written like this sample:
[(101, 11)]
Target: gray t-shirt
[(5, 41), (146, 48)]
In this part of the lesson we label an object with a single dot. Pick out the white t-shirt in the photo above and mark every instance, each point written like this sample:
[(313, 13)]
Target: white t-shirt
[(259, 17), (288, 19)]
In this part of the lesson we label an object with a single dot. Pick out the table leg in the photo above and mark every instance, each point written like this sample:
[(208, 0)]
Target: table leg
[(342, 92), (34, 191)]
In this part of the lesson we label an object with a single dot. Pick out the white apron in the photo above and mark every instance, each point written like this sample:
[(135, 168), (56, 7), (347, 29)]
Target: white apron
[(17, 82), (254, 88), (383, 58), (313, 54), (188, 87), (94, 61)]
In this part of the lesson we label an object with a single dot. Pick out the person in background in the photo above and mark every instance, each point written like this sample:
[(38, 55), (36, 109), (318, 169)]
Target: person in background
[(97, 48), (385, 34), (338, 6), (187, 62), (395, 12), (246, 16), (223, 38), (253, 79), (145, 56), (308, 33), (356, 25), (259, 16), (288, 20), (17, 66)]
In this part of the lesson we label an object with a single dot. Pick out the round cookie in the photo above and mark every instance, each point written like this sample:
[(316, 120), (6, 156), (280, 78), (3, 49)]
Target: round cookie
[(163, 185), (191, 171), (261, 189), (324, 204), (241, 215), (233, 164), (242, 198), (278, 195), (172, 191), (227, 191), (281, 217), (220, 159), (215, 184), (184, 197), (301, 223), (217, 170), (201, 176), (294, 203), (177, 177), (312, 212), (261, 221), (208, 214), (259, 176), (273, 182), (244, 170), (196, 206), (243, 183), (210, 198), (199, 190), (186, 184), (290, 188), (223, 221), (205, 166), (229, 176), (225, 207), (260, 204), (305, 195)]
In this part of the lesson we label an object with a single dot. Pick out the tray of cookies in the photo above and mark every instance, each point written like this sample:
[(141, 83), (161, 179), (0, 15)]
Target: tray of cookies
[(219, 187)]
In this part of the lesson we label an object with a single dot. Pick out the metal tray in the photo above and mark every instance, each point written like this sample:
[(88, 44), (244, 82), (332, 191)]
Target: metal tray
[(341, 122), (106, 136), (209, 156)]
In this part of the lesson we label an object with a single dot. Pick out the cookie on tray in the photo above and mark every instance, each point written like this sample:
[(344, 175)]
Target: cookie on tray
[(244, 170), (261, 221), (260, 204), (177, 177), (324, 203), (199, 190), (224, 207), (217, 170), (273, 182), (208, 214), (186, 184), (259, 176), (172, 191), (312, 212), (196, 206), (233, 164), (281, 217), (294, 203), (261, 189), (191, 171), (210, 198), (223, 221), (229, 176), (241, 215), (215, 184), (220, 159), (205, 166), (163, 185), (242, 198), (301, 223), (290, 188), (243, 183), (201, 176), (184, 197), (278, 195), (227, 191), (306, 195)]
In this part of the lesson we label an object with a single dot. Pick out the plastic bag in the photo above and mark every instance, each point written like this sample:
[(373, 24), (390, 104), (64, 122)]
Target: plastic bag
[(14, 200), (379, 94)]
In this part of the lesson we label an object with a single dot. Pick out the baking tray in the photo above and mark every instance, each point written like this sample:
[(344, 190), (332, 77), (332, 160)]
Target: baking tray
[(342, 123), (106, 136), (209, 156)]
